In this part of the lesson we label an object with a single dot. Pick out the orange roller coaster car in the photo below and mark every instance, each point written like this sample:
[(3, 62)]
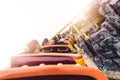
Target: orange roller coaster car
[(52, 72), (51, 54)]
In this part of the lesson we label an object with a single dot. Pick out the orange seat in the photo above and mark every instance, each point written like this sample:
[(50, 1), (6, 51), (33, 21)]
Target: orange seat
[(69, 47), (46, 58), (52, 72)]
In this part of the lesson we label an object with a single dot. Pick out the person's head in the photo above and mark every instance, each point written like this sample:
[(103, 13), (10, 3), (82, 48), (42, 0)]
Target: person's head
[(63, 35), (55, 39), (67, 32), (45, 41), (59, 36)]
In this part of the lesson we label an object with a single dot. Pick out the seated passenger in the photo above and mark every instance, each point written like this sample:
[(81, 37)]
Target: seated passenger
[(45, 42), (55, 39), (58, 36), (63, 41), (32, 47), (51, 42)]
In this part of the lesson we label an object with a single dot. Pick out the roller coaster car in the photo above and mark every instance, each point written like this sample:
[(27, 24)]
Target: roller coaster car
[(51, 54), (52, 72)]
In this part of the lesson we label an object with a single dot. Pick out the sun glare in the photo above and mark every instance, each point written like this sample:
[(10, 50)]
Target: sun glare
[(24, 20)]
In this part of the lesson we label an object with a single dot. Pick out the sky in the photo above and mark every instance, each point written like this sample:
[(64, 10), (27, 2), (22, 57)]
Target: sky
[(24, 20)]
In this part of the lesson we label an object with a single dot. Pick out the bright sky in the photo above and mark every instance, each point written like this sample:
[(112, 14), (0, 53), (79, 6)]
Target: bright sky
[(25, 20)]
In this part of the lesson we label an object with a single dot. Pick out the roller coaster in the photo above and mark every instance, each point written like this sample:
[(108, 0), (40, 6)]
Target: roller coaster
[(97, 35)]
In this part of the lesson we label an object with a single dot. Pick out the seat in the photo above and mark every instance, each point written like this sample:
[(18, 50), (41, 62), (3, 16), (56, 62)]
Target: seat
[(60, 48)]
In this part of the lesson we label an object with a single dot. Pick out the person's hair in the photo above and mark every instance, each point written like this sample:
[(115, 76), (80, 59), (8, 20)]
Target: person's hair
[(55, 39), (63, 35), (59, 36), (45, 41)]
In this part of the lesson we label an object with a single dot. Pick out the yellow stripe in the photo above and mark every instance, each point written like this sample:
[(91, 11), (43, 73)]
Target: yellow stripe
[(78, 48), (71, 48), (80, 61), (86, 37)]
